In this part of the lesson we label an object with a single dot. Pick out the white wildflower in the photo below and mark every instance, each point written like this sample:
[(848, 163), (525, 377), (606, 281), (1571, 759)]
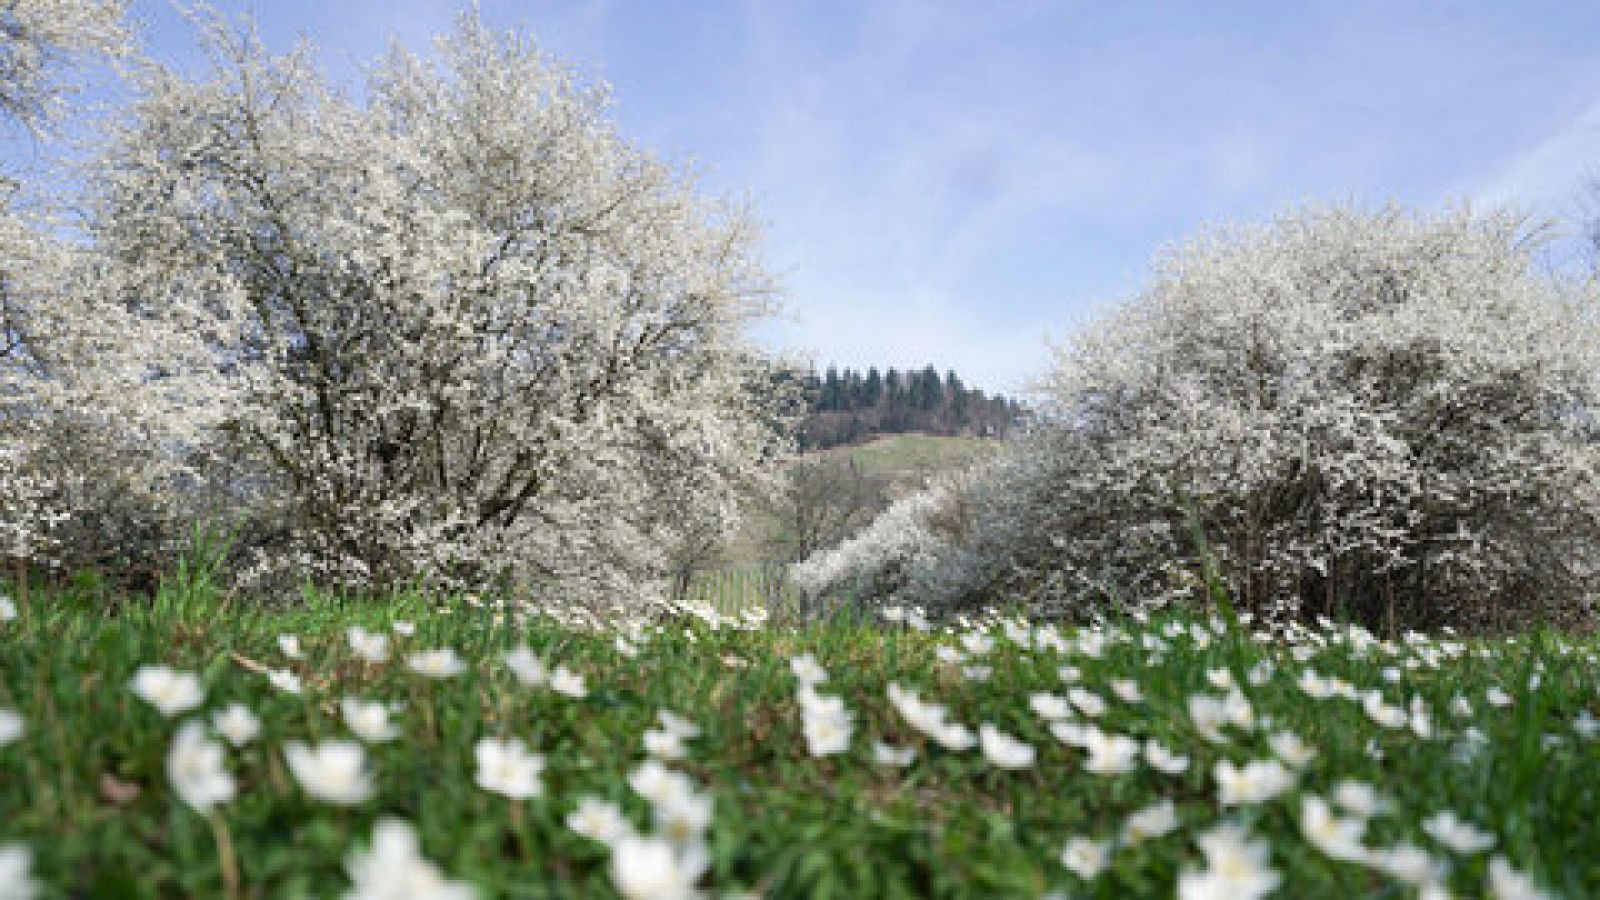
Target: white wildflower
[(12, 728), (333, 771), (195, 769), (529, 668), (1506, 883), (1408, 863), (888, 755), (1257, 782), (1087, 702), (564, 681), (368, 721), (599, 820), (1050, 706), (369, 646), (284, 680), (1127, 690), (1163, 760), (1086, 858), (238, 724), (1002, 750), (1358, 798), (1291, 749), (1151, 822), (1109, 754), (806, 668), (392, 867), (1236, 868), (169, 691), (1460, 836), (441, 663), (1335, 837), (650, 868), (16, 875), (506, 767), (1383, 714), (827, 734)]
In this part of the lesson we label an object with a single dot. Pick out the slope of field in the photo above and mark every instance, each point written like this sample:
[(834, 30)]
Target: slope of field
[(912, 456)]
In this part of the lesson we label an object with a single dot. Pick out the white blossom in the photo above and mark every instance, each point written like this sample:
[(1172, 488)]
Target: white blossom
[(392, 867), (369, 721), (651, 868), (506, 767), (237, 723), (333, 771), (1086, 858), (195, 769), (171, 692), (370, 646), (1002, 750), (12, 727), (16, 873), (441, 663), (598, 820)]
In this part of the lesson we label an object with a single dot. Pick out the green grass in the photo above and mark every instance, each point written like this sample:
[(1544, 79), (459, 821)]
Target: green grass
[(785, 824), (912, 456)]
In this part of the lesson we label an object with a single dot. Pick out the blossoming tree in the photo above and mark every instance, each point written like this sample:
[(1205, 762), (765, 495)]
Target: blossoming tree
[(467, 331)]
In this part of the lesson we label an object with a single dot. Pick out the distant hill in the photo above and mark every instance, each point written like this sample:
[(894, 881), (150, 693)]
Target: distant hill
[(847, 407)]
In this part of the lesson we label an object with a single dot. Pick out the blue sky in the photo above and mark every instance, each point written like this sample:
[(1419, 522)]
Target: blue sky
[(955, 182)]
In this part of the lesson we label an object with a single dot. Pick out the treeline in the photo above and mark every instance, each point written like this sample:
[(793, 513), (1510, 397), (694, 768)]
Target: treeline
[(847, 406)]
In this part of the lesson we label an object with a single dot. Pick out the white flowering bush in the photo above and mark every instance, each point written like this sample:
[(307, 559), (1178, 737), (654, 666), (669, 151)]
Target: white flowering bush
[(1386, 415), (910, 535), (465, 332)]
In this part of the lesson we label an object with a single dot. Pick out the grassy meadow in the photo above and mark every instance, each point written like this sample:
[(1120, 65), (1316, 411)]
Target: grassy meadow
[(995, 759)]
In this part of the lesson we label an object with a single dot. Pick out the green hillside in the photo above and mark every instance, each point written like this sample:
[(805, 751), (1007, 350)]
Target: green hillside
[(906, 456)]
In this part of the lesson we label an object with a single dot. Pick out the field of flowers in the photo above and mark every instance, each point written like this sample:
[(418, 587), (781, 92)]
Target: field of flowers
[(201, 749)]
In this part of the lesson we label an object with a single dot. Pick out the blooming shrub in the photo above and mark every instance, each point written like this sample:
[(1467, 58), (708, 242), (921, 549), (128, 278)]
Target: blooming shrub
[(1386, 414), (906, 537), (465, 333)]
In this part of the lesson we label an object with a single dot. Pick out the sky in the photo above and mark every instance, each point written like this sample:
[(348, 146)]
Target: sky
[(962, 183)]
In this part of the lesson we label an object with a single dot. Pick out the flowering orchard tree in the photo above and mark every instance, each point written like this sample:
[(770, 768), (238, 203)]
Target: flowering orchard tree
[(1387, 414), (468, 332)]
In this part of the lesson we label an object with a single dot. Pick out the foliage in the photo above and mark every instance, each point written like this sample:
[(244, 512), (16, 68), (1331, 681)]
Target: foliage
[(1498, 732)]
